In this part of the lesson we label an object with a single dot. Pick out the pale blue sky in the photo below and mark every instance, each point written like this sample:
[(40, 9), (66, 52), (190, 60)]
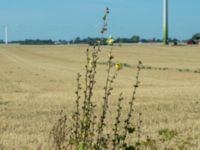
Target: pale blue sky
[(67, 19)]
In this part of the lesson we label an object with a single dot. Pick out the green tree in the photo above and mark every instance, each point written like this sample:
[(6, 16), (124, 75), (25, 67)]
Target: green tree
[(77, 40), (196, 36), (135, 39)]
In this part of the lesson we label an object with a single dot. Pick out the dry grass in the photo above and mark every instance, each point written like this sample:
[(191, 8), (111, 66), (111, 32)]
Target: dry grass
[(36, 82)]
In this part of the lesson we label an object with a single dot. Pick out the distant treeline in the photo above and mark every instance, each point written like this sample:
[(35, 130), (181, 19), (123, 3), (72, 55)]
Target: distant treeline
[(34, 42), (92, 40), (133, 39)]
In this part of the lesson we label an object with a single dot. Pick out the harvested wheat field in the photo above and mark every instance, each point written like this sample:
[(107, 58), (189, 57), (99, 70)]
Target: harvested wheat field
[(37, 82)]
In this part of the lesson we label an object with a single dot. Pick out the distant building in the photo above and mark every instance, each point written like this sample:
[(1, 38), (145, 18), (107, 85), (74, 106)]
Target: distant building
[(193, 42)]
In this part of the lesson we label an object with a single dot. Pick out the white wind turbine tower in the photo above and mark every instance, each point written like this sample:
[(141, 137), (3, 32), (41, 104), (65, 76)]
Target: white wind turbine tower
[(165, 22), (6, 34)]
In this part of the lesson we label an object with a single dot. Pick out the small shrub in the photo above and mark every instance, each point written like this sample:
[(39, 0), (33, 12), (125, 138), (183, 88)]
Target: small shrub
[(89, 131), (167, 135), (197, 71)]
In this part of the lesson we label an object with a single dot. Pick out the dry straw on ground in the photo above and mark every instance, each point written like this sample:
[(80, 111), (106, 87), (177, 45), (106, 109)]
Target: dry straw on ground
[(38, 81)]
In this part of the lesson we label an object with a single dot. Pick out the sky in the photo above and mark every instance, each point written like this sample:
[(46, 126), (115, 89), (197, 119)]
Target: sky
[(67, 19)]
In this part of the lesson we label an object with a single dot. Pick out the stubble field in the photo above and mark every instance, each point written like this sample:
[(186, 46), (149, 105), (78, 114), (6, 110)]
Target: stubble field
[(37, 82)]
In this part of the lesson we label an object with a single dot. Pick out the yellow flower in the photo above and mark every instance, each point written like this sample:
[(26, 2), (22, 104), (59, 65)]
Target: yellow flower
[(118, 66), (110, 40)]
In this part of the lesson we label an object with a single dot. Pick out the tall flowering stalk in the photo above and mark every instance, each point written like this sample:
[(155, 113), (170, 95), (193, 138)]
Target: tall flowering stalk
[(87, 130)]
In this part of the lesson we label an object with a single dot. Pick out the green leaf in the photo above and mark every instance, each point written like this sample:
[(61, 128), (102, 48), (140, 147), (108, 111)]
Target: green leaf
[(131, 130), (130, 148), (81, 146), (72, 141), (104, 17), (120, 138)]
